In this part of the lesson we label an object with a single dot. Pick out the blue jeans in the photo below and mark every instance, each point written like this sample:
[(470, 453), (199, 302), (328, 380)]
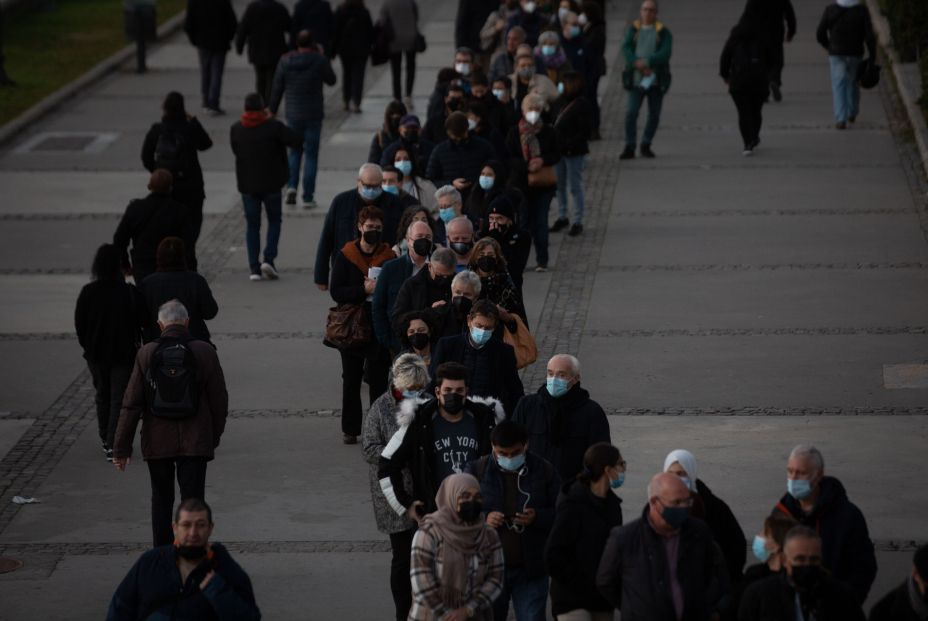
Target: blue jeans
[(538, 202), (212, 65), (529, 597), (636, 97), (311, 132), (252, 204), (844, 87), (570, 173)]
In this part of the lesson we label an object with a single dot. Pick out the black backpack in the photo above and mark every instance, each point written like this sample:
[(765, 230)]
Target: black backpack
[(747, 64), (170, 150), (171, 380)]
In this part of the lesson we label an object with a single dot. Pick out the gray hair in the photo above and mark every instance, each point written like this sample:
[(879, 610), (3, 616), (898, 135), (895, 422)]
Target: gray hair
[(519, 30), (574, 363), (444, 257), (460, 221), (410, 232), (468, 279), (409, 371), (549, 35), (448, 190), (809, 452), (172, 312), (370, 167)]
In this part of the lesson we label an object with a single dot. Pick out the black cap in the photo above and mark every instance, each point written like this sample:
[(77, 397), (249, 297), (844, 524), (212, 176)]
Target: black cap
[(503, 205)]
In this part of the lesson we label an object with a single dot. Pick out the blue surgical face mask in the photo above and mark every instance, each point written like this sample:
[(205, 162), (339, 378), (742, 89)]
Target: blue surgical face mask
[(370, 194), (759, 548), (447, 214), (557, 386), (574, 32), (800, 489), (560, 88), (404, 166), (486, 182), (480, 336), (512, 464), (499, 93), (617, 483), (411, 394), (548, 50), (391, 189)]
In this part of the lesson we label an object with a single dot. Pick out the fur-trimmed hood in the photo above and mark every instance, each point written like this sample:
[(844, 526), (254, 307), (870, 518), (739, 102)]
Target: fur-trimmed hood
[(408, 409)]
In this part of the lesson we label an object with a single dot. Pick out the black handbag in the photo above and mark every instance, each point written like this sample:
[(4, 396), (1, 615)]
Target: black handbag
[(868, 74), (420, 43)]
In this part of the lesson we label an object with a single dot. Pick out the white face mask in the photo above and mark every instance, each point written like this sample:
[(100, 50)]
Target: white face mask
[(499, 93), (562, 13), (462, 68), (582, 19), (471, 124), (532, 116), (529, 7)]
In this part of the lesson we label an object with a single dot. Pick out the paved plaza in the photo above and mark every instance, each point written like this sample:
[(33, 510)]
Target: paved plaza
[(731, 306)]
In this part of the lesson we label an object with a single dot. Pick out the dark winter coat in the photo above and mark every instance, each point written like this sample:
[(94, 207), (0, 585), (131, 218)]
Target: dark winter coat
[(518, 166), (264, 27), (774, 599), (594, 35), (392, 276), (517, 245), (210, 24), (582, 59), (109, 319), (462, 160), (754, 573), (776, 18), (381, 140), (301, 75), (896, 605), (492, 368), (844, 31), (572, 125), (538, 489), (193, 292), (145, 223), (153, 590), (633, 572), (166, 438), (562, 429), (744, 62), (341, 227), (582, 524), (347, 286), (725, 530), (417, 293), (411, 447), (471, 16), (419, 153), (354, 32), (315, 16), (846, 547), (188, 177), (261, 155)]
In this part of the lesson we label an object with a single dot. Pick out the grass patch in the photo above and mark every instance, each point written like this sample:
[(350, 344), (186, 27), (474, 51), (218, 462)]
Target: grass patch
[(49, 45)]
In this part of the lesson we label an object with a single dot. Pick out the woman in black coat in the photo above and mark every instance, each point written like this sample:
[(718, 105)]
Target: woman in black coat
[(354, 32), (744, 67), (594, 36), (587, 510), (109, 319), (172, 144)]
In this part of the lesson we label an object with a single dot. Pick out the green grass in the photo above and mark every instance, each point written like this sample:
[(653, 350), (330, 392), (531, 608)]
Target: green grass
[(50, 45)]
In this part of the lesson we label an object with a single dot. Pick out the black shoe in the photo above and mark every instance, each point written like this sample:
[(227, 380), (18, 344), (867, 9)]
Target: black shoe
[(349, 439), (628, 153), (755, 143), (559, 225), (291, 196), (575, 230), (646, 151), (775, 88), (852, 119)]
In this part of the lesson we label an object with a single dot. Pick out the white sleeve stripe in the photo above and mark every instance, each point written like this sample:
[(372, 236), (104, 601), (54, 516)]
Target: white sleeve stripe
[(387, 487), (394, 443)]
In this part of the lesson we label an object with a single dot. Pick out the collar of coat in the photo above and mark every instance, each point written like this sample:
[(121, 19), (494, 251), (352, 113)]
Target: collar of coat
[(408, 409), (658, 25), (382, 253)]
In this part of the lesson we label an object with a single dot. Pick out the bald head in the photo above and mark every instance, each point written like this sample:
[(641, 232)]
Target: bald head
[(161, 181), (370, 174), (667, 485), (418, 230)]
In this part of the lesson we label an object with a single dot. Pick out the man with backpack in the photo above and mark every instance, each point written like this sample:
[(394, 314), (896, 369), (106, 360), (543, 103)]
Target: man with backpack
[(178, 391)]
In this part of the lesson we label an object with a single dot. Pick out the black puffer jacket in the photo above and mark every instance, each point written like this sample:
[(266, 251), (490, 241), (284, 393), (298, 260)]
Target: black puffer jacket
[(264, 27), (844, 31), (581, 527), (301, 75), (109, 318), (573, 124), (210, 24)]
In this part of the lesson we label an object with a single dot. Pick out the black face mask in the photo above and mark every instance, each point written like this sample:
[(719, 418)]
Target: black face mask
[(461, 248), (191, 553), (441, 282), (372, 237), (487, 264), (470, 511), (419, 340), (806, 577), (453, 402), (455, 104), (422, 247), (461, 305), (499, 233)]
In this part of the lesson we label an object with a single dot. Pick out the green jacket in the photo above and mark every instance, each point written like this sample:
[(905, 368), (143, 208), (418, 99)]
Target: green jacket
[(659, 61)]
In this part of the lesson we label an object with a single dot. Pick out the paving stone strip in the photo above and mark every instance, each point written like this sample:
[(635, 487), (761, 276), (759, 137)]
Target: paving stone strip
[(715, 213), (771, 267)]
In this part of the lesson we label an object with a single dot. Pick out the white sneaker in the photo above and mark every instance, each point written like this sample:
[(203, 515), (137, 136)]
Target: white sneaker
[(255, 277), (269, 272), (407, 101), (310, 204)]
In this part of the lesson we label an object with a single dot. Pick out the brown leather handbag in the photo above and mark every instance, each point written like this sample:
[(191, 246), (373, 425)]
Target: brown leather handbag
[(347, 327), (522, 342), (544, 177)]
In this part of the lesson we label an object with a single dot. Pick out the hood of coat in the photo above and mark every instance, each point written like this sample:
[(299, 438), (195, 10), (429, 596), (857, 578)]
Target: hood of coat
[(409, 407)]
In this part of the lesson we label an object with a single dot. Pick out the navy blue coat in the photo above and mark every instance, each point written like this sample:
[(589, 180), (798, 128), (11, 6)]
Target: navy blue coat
[(153, 590), (465, 160), (392, 276), (492, 373)]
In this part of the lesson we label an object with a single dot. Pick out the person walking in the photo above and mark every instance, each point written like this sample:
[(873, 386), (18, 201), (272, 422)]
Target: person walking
[(178, 391), (172, 145), (457, 559), (403, 17), (315, 16), (593, 25), (300, 75), (264, 28), (410, 378), (646, 48), (109, 319), (573, 116), (210, 25), (354, 32), (744, 68), (140, 25), (259, 144), (844, 30), (587, 511), (354, 277), (777, 21)]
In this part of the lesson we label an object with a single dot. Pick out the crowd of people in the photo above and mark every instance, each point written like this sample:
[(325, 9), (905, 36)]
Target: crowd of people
[(492, 498)]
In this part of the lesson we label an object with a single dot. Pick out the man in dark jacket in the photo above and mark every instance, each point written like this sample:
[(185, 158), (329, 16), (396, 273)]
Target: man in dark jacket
[(490, 363), (210, 26), (300, 75), (663, 566), (316, 17), (820, 502), (519, 492), (908, 602), (469, 20), (392, 276), (340, 226), (260, 147), (190, 580), (562, 420), (804, 591), (844, 30), (437, 437), (777, 21), (169, 442), (146, 222), (458, 160), (429, 288), (573, 115), (264, 27)]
